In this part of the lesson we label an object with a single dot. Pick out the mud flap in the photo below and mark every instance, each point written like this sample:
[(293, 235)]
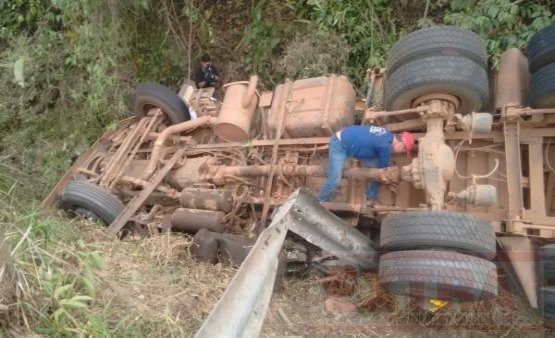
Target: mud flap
[(241, 310)]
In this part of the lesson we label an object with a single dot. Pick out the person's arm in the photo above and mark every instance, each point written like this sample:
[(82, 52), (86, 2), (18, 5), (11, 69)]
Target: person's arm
[(216, 71), (199, 78), (384, 158)]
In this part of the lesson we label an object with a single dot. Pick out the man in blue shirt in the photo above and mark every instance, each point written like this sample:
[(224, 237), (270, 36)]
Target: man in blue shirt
[(372, 145)]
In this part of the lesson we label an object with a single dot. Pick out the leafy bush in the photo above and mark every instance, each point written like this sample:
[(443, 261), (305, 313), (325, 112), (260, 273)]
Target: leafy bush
[(70, 66), (66, 86), (367, 26), (502, 23), (315, 53), (24, 17), (47, 274)]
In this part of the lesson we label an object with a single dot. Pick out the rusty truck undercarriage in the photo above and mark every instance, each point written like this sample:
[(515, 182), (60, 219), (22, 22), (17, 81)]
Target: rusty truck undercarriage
[(482, 175)]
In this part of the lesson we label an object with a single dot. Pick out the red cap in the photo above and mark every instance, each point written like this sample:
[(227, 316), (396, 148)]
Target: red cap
[(408, 140)]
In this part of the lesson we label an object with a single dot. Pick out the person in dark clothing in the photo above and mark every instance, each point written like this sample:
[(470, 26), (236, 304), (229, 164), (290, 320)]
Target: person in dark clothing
[(372, 145), (206, 74)]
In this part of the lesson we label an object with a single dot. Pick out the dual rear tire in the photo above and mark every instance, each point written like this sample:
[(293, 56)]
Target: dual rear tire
[(438, 60), (541, 64), (427, 253), (546, 283), (438, 254)]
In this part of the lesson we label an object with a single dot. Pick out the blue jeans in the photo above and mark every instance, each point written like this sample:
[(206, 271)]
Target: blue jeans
[(373, 186), (337, 156)]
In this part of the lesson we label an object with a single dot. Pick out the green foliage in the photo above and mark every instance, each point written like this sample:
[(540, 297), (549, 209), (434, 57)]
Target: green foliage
[(261, 41), (69, 291), (502, 23), (312, 54), (69, 68), (367, 26), (25, 16), (54, 272), (67, 85), (152, 49), (54, 284)]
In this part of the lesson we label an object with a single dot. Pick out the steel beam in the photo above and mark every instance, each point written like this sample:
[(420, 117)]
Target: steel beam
[(138, 200), (514, 173)]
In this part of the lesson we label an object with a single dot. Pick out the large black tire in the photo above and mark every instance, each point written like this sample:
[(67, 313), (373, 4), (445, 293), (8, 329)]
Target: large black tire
[(541, 49), (438, 274), (454, 75), (438, 229), (434, 41), (89, 196), (153, 95), (542, 87), (546, 265), (546, 298)]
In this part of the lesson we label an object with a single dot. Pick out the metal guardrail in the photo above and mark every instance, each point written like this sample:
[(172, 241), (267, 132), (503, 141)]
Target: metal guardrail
[(241, 310)]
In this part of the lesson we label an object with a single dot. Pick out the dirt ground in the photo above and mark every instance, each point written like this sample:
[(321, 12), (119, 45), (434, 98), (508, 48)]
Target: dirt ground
[(156, 282)]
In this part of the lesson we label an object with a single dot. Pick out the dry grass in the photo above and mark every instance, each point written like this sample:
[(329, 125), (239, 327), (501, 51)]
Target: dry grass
[(154, 288), (506, 315), (8, 283), (156, 281), (299, 312)]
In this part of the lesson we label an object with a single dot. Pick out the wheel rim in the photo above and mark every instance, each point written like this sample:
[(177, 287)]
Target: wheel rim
[(87, 214)]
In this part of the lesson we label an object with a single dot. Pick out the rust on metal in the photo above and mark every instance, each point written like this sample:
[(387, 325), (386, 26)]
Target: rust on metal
[(273, 160), (514, 173), (235, 115), (116, 161), (104, 140), (314, 107), (497, 165), (178, 128), (512, 80), (138, 200), (192, 220), (207, 199), (156, 116), (372, 115)]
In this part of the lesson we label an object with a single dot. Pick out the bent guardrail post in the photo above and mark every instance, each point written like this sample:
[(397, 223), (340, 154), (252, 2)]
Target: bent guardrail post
[(241, 310), (322, 228)]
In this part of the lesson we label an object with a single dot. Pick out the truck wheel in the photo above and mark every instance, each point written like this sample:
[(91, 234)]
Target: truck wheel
[(454, 75), (437, 40), (541, 49), (153, 95), (438, 274), (547, 305), (82, 196), (438, 229), (542, 87), (546, 265)]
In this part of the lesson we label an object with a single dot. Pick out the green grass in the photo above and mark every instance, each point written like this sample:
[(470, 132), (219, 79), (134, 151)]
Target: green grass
[(52, 284), (57, 281), (67, 278)]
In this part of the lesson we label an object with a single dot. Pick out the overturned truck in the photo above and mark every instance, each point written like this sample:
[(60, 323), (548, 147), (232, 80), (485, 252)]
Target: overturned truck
[(480, 185)]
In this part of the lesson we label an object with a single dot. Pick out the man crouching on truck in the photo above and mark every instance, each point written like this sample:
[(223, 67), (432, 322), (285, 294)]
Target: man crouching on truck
[(370, 144)]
